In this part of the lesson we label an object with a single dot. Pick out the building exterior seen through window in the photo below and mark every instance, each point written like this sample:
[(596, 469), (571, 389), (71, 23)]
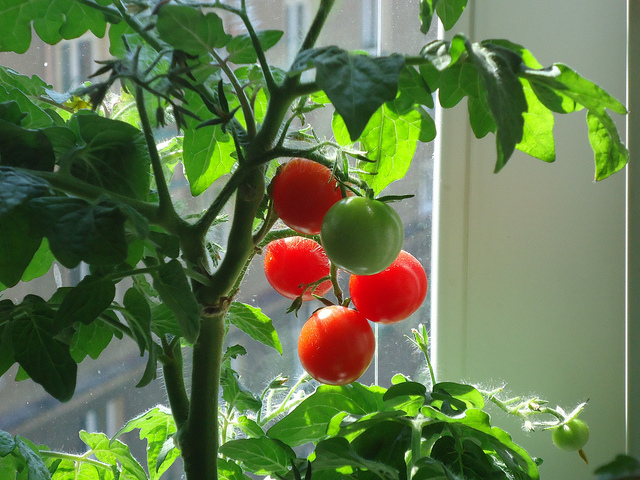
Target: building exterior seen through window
[(106, 394)]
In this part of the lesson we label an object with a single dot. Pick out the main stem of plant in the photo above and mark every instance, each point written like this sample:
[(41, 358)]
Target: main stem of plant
[(199, 437)]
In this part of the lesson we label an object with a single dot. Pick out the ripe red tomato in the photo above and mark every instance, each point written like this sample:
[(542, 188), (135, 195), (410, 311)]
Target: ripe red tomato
[(303, 191), (393, 294), (292, 263), (336, 345)]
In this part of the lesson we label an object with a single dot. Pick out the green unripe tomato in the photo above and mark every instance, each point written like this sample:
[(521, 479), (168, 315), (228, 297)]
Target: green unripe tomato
[(571, 436), (361, 235)]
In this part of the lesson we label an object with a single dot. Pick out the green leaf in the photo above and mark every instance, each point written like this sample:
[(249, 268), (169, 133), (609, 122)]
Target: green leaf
[(228, 470), (413, 89), (207, 151), (450, 11), (173, 287), (113, 155), (29, 149), (46, 359), (241, 49), (17, 188), (249, 427), (563, 82), (464, 457), (336, 453), (85, 302), (79, 231), (466, 394), (90, 340), (17, 247), (35, 465), (476, 424), (53, 20), (157, 427), (358, 85), (621, 467), (611, 155), (308, 422), (390, 139), (114, 452), (40, 263), (261, 456), (7, 443), (505, 97), (427, 9), (235, 395), (406, 396), (32, 95), (537, 133), (254, 323), (188, 29), (163, 321)]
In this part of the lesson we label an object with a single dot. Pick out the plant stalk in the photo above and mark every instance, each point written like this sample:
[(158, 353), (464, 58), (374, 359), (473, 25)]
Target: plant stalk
[(199, 439)]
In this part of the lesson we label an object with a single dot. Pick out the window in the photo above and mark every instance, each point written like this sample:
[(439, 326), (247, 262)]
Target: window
[(371, 25), (296, 26), (106, 396)]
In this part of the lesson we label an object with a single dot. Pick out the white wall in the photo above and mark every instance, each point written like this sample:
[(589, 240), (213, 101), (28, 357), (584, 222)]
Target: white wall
[(530, 277)]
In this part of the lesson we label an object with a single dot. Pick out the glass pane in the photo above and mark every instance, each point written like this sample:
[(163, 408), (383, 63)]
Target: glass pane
[(106, 390)]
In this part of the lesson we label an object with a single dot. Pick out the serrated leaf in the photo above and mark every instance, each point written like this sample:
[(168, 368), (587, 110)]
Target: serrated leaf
[(610, 153), (173, 287), (235, 395), (505, 97), (157, 427), (35, 465), (390, 140), (17, 247), (249, 427), (308, 422), (449, 12), (40, 263), (7, 443), (90, 340), (537, 133), (241, 49), (190, 30), (86, 301), (229, 470), (254, 323), (29, 149), (17, 188), (114, 452), (207, 151), (477, 424), (560, 80), (46, 360), (335, 453), (52, 20), (261, 456), (358, 85), (427, 9), (113, 155), (79, 231)]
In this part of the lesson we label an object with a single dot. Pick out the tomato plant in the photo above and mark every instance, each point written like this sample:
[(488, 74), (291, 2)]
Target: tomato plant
[(361, 235), (93, 187), (336, 345), (303, 191), (571, 436), (292, 264), (393, 294)]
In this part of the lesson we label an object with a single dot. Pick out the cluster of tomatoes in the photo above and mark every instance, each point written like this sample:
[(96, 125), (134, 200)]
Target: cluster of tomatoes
[(359, 235)]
